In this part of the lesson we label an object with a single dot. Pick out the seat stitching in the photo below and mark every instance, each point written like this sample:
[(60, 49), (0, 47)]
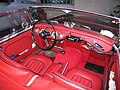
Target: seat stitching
[(37, 68), (36, 63), (29, 64), (81, 77), (41, 68)]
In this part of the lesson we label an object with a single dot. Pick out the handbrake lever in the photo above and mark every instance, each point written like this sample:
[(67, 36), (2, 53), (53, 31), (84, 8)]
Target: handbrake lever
[(66, 65)]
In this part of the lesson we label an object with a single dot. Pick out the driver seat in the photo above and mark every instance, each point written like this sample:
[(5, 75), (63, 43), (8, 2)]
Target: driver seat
[(37, 63)]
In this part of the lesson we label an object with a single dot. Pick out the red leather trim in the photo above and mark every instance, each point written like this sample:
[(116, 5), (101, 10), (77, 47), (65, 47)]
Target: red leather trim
[(53, 68), (37, 63), (85, 78), (72, 56), (19, 44), (86, 35), (44, 84), (82, 80), (6, 83), (19, 75), (62, 80), (12, 78)]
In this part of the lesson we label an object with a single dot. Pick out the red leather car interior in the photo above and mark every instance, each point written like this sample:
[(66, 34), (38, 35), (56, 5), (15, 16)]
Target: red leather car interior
[(17, 77), (17, 71), (20, 46), (72, 56), (44, 84), (85, 78), (37, 63), (53, 68), (68, 83)]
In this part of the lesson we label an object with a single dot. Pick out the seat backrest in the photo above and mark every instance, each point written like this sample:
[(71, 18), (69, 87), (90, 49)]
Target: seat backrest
[(85, 77), (40, 63), (62, 80)]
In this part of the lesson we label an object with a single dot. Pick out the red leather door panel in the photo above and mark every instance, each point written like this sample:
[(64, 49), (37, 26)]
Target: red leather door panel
[(19, 46)]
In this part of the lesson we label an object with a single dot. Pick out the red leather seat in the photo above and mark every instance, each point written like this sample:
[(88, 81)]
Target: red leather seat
[(85, 78), (37, 63)]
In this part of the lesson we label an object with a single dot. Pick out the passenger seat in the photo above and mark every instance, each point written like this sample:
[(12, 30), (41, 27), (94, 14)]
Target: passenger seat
[(85, 78), (37, 63)]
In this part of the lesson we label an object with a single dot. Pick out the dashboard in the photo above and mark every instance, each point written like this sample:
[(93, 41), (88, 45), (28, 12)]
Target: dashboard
[(100, 43)]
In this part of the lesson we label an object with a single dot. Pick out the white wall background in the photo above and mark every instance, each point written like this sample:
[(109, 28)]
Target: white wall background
[(99, 6)]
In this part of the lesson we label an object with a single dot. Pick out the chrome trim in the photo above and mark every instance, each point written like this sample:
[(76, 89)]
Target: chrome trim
[(119, 32), (118, 52), (32, 80), (13, 35), (66, 65), (59, 48)]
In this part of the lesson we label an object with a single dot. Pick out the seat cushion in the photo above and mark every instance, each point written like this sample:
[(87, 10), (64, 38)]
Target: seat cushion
[(85, 78), (37, 63)]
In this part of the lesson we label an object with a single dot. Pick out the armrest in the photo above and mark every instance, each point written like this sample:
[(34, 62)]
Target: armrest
[(62, 80)]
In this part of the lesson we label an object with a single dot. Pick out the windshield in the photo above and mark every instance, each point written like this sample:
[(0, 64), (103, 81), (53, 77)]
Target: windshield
[(76, 18), (13, 22)]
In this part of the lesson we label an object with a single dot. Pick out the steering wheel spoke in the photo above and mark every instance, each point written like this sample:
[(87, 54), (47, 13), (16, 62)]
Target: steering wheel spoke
[(44, 33)]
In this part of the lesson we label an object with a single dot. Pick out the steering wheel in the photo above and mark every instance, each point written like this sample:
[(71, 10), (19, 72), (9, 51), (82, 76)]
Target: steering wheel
[(44, 34)]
